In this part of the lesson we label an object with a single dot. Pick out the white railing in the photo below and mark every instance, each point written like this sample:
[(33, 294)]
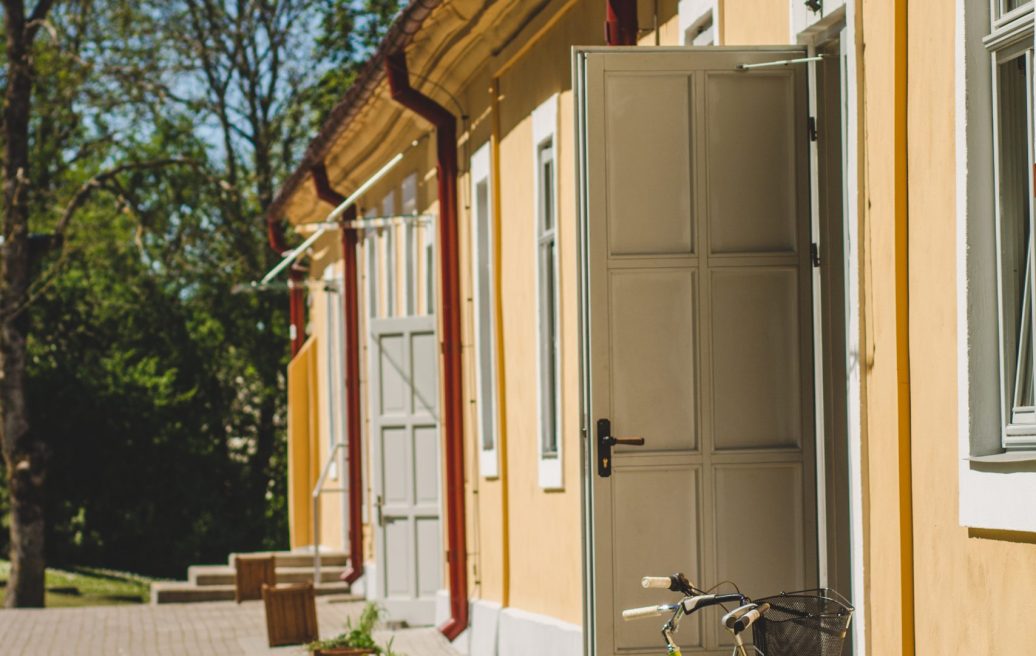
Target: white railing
[(318, 489)]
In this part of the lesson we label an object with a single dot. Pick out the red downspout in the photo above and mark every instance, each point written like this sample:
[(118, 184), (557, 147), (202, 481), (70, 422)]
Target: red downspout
[(296, 288), (297, 306), (620, 27), (352, 375), (446, 151)]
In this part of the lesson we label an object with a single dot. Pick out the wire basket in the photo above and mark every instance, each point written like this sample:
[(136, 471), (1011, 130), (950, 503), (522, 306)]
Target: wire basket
[(803, 623)]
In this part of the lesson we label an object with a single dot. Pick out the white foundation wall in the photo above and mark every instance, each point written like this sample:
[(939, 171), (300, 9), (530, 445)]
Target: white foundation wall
[(496, 631)]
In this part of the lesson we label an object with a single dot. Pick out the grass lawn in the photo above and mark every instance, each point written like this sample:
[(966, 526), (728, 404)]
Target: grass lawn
[(89, 587)]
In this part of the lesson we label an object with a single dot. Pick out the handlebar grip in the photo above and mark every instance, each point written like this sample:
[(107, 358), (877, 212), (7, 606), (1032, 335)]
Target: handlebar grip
[(749, 618), (663, 582), (646, 611), (691, 604)]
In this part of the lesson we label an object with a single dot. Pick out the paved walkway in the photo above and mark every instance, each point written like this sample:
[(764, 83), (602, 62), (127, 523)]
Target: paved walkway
[(217, 628)]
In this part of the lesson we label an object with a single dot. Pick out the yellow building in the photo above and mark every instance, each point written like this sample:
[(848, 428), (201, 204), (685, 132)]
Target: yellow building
[(786, 243)]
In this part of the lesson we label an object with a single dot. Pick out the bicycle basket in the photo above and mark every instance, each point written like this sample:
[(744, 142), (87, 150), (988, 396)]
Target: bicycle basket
[(804, 623)]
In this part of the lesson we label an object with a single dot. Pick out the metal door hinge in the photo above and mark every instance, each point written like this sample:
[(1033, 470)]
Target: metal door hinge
[(814, 255), (811, 125)]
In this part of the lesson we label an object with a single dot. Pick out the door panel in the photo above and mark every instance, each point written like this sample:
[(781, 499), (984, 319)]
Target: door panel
[(649, 162), (643, 544), (753, 200), (756, 370), (653, 323), (404, 430), (696, 304)]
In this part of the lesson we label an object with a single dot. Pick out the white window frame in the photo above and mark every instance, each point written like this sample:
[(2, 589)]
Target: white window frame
[(693, 15), (544, 131), (483, 282), (1019, 423), (997, 483)]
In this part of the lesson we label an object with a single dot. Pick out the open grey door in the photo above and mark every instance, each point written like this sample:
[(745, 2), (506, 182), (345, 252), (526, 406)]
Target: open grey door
[(696, 300)]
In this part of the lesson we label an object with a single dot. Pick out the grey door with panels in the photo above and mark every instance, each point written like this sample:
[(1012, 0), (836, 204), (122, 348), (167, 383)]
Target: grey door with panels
[(696, 300), (404, 405)]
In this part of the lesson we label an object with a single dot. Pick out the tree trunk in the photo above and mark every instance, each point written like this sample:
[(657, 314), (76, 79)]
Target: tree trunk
[(24, 455)]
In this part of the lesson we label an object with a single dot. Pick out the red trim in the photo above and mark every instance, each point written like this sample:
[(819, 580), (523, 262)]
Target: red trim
[(352, 376), (453, 424), (620, 27)]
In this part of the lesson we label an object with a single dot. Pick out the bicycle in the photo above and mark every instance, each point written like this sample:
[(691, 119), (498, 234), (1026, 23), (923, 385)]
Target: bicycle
[(736, 621), (802, 623)]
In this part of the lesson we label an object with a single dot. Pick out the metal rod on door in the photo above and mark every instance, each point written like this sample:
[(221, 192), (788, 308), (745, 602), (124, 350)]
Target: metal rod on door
[(779, 62)]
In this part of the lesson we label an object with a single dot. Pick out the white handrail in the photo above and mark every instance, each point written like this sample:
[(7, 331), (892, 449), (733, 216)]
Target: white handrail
[(317, 491)]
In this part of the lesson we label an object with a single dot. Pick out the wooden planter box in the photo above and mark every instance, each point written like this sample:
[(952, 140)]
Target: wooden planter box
[(251, 573), (291, 614)]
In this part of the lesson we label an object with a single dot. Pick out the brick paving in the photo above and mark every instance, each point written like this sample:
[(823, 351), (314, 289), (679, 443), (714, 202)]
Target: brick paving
[(217, 628)]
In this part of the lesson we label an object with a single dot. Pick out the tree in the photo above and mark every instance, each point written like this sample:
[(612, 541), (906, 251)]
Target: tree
[(39, 153), (143, 141)]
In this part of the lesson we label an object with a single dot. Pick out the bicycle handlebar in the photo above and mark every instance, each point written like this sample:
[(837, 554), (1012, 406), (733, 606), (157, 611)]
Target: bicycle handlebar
[(647, 611), (691, 604)]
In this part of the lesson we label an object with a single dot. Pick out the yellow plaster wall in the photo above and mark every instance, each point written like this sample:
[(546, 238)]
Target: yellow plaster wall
[(303, 433), (484, 498), (759, 22), (986, 578), (546, 550), (881, 407)]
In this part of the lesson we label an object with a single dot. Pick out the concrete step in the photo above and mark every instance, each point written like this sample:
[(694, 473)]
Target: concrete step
[(300, 558), (180, 592), (206, 575)]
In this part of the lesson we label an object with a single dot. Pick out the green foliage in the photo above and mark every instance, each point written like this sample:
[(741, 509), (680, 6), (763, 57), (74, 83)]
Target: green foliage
[(160, 395), (358, 637), (350, 31), (89, 587)]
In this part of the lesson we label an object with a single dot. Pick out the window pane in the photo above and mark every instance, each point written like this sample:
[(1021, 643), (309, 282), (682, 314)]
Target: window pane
[(390, 271), (548, 350), (372, 273), (410, 259), (484, 310), (429, 267), (1015, 234), (1008, 5), (1023, 367), (546, 185)]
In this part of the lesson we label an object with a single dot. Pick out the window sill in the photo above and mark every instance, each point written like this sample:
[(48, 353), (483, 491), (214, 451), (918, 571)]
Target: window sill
[(1005, 458)]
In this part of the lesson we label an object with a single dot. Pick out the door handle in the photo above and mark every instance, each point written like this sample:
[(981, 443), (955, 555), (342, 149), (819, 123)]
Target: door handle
[(377, 508), (605, 442)]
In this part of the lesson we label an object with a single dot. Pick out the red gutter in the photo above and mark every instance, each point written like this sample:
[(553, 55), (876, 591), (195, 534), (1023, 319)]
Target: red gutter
[(296, 288), (620, 27), (352, 375), (446, 170)]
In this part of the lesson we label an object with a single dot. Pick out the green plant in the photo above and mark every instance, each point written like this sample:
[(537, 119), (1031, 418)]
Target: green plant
[(360, 636)]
